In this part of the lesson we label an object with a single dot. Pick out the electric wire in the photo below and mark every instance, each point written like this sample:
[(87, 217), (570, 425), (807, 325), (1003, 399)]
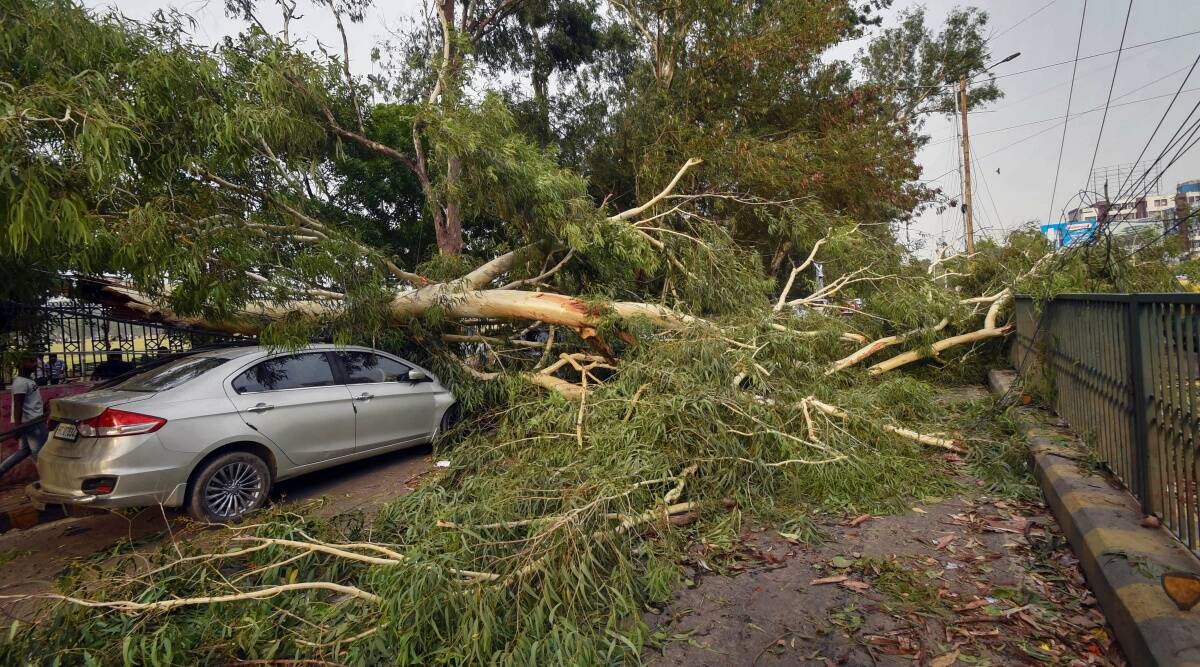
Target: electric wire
[(988, 189), (1080, 113), (1122, 194), (1066, 121), (1009, 28), (1063, 62), (1162, 119), (1111, 84), (1082, 75)]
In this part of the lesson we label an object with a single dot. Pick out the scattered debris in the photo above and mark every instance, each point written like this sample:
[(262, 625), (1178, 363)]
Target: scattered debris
[(971, 580)]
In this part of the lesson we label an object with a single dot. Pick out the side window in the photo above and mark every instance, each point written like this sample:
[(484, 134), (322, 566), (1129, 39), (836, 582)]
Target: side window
[(364, 367), (291, 372)]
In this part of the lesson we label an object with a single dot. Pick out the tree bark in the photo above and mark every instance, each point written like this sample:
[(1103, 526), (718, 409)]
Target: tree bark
[(450, 236), (456, 302)]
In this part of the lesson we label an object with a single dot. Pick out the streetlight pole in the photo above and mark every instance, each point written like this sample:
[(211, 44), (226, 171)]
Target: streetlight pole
[(968, 208)]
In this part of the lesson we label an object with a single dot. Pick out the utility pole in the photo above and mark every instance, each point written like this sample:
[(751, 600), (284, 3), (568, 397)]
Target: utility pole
[(968, 209)]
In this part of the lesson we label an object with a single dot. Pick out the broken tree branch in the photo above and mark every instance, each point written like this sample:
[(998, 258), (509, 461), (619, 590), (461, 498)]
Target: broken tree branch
[(989, 330), (930, 440), (164, 605), (637, 210), (787, 288), (568, 390), (537, 279), (876, 346)]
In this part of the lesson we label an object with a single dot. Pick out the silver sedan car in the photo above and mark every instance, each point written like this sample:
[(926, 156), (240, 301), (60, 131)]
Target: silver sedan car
[(213, 431)]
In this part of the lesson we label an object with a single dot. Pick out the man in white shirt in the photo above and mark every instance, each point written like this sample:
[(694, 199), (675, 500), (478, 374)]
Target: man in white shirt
[(27, 409)]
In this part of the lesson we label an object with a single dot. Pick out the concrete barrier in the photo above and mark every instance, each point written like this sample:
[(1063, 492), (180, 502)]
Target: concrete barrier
[(1121, 559)]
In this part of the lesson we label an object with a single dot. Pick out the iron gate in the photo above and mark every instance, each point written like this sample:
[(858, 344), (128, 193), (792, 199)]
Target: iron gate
[(83, 334)]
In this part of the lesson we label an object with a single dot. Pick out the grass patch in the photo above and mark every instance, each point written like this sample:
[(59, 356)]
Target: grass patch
[(9, 555)]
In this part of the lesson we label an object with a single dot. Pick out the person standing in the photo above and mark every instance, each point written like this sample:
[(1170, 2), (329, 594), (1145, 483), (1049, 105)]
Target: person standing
[(58, 369), (41, 373), (112, 367), (27, 409)]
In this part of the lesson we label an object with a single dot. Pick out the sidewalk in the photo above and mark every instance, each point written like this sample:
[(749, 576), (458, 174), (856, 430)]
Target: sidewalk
[(973, 579), (1122, 556)]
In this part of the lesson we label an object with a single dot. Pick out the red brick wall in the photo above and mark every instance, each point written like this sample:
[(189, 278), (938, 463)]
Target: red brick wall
[(25, 471)]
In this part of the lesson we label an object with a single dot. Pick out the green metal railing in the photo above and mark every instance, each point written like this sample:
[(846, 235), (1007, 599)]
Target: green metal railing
[(1123, 370)]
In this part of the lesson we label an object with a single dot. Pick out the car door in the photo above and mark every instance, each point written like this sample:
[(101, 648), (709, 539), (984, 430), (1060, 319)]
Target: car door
[(295, 401), (389, 408)]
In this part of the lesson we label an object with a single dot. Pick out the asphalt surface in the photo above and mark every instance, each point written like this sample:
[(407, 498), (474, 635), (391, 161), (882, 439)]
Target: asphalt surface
[(31, 559)]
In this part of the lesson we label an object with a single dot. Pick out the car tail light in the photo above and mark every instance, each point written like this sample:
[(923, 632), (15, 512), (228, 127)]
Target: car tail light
[(113, 422)]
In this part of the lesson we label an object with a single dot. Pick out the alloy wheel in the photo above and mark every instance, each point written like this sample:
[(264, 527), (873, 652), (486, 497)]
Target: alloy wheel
[(233, 490)]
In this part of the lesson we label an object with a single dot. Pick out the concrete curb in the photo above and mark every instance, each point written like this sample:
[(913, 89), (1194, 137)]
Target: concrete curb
[(17, 512), (1121, 560), (28, 516)]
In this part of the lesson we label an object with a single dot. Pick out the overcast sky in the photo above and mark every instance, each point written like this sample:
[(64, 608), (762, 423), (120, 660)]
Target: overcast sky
[(1014, 167)]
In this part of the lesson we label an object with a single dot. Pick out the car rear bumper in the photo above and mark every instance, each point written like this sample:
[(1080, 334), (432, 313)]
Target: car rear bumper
[(145, 472), (40, 497)]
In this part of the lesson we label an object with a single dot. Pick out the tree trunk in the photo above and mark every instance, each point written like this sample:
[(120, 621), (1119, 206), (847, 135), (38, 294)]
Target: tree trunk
[(456, 302), (450, 235)]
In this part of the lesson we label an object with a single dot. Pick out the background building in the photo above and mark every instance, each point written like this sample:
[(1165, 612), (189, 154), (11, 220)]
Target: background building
[(1132, 220)]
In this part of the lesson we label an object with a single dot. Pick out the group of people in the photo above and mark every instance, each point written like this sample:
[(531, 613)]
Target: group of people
[(49, 369)]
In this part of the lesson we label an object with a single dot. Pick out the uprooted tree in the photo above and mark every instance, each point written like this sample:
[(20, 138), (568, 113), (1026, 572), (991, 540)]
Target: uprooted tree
[(697, 371)]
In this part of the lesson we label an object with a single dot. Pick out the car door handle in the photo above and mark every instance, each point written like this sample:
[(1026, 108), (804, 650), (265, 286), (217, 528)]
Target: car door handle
[(261, 407), (364, 397)]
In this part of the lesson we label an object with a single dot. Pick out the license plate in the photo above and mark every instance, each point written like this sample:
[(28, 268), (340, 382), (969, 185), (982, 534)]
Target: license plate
[(69, 432)]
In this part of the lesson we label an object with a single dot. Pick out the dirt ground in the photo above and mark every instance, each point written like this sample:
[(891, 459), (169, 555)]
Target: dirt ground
[(30, 560), (969, 580), (966, 580)]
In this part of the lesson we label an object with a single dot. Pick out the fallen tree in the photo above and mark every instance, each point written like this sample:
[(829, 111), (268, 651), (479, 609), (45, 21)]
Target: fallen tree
[(686, 367)]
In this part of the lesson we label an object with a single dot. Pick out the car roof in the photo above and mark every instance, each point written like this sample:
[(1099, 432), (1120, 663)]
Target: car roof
[(241, 351)]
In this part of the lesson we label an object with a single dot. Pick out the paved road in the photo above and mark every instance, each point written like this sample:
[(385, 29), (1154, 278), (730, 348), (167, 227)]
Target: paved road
[(31, 559)]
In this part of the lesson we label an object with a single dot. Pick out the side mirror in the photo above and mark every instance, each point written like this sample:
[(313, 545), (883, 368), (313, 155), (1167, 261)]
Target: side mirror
[(415, 375)]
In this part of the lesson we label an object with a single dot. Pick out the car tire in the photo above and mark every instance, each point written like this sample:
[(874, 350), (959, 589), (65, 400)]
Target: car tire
[(229, 487), (450, 417)]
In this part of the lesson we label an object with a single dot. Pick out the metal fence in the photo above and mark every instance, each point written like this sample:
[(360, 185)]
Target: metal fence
[(1123, 370), (83, 335)]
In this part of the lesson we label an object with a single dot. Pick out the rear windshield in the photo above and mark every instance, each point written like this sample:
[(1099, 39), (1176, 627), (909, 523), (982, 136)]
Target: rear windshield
[(170, 375)]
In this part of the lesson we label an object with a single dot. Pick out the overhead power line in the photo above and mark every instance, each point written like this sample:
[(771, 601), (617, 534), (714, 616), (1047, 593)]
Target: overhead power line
[(1017, 102), (1066, 62), (1161, 120), (1167, 232), (1098, 55), (1067, 120), (1041, 131), (1074, 115), (1111, 84), (1035, 13)]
